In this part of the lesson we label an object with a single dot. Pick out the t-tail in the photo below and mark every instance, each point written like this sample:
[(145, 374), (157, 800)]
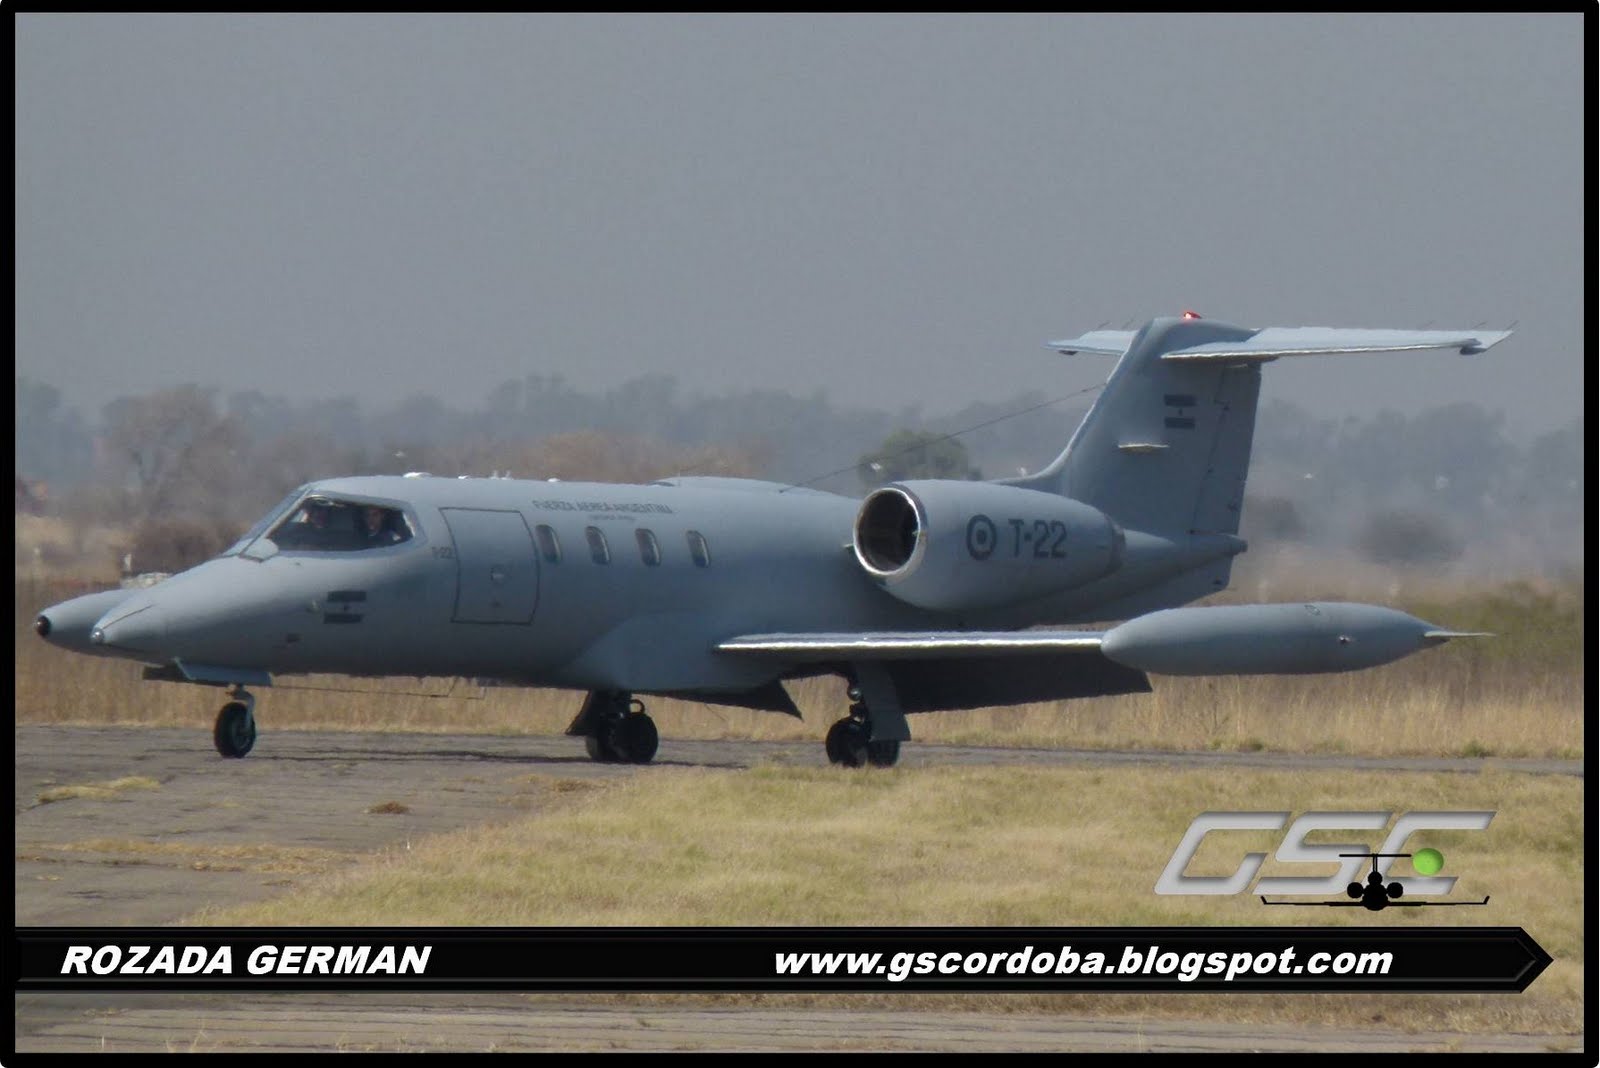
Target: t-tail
[(1166, 447)]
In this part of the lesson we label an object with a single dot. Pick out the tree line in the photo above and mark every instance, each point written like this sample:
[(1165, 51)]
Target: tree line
[(1404, 488)]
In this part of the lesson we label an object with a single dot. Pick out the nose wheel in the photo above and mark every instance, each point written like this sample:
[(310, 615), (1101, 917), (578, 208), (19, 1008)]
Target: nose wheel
[(621, 733), (235, 730)]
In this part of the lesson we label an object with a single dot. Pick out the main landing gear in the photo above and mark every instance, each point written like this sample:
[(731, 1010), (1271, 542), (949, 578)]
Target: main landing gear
[(616, 729), (850, 741), (235, 732)]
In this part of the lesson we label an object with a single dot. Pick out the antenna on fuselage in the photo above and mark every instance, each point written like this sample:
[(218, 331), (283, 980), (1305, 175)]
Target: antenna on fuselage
[(947, 437)]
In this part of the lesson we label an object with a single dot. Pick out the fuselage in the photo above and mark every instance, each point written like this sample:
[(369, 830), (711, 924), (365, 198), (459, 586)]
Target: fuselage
[(582, 585)]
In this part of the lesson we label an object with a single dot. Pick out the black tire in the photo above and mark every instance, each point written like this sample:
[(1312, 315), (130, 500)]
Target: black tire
[(599, 747), (832, 745), (846, 743), (884, 753), (634, 739), (235, 732)]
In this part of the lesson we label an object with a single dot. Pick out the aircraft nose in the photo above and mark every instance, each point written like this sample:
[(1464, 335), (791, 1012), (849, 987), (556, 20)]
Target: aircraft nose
[(143, 630), (69, 623)]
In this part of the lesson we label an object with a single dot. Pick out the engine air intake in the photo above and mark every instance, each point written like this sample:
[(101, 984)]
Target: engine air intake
[(887, 531)]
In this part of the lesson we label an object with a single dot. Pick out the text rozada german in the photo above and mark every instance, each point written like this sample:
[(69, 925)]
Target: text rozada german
[(262, 960)]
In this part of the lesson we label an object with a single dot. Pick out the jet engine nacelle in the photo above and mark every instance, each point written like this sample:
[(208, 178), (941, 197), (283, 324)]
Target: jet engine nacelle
[(953, 546)]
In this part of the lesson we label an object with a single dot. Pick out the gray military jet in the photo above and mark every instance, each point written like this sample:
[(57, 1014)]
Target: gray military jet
[(720, 590)]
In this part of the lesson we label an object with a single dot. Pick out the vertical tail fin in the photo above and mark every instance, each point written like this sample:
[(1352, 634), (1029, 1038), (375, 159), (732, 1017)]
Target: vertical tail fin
[(1166, 447)]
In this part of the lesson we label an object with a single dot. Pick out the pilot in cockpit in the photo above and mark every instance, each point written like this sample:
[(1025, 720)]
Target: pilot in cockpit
[(308, 528), (317, 517), (377, 528)]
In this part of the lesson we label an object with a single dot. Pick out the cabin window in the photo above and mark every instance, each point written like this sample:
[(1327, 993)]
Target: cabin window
[(649, 548), (549, 544), (597, 545), (323, 524), (699, 551)]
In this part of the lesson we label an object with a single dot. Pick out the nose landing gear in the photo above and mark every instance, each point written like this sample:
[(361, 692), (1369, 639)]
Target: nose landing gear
[(235, 731)]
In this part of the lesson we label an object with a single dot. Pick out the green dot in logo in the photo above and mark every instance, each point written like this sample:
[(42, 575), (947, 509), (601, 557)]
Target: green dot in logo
[(1427, 861)]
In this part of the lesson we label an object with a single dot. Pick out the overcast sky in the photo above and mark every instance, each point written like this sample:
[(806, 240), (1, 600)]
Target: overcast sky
[(894, 209)]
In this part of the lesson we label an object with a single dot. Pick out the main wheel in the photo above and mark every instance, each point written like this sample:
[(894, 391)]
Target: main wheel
[(847, 743), (235, 732), (884, 753), (633, 738), (599, 747)]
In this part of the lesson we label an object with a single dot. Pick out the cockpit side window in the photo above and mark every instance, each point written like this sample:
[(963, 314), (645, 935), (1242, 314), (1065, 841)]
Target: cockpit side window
[(324, 524)]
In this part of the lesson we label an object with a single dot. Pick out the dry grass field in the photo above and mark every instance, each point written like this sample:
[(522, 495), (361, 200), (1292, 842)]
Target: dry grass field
[(986, 846), (1520, 693)]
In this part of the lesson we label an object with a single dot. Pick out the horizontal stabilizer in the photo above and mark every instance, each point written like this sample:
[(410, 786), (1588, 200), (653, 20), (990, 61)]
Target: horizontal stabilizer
[(913, 645), (1273, 342), (1095, 342)]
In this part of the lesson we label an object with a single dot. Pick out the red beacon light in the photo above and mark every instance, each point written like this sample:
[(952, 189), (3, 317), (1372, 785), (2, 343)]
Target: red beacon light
[(1191, 315)]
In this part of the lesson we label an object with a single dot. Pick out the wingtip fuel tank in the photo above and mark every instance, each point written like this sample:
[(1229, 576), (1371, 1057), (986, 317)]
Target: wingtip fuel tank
[(1267, 639)]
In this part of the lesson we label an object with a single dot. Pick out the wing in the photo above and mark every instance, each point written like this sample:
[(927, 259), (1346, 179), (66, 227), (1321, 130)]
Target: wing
[(1276, 341), (943, 670), (913, 645)]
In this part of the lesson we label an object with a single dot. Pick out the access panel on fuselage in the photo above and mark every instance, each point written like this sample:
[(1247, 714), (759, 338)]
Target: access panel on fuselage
[(497, 569)]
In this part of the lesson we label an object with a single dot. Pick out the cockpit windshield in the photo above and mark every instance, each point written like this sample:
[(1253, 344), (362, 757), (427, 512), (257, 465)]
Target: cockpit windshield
[(263, 523), (325, 524)]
